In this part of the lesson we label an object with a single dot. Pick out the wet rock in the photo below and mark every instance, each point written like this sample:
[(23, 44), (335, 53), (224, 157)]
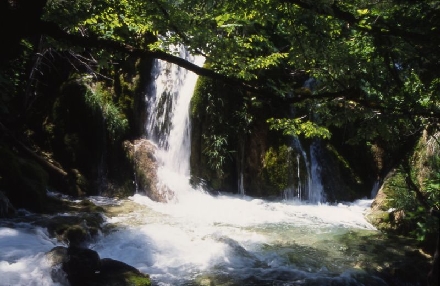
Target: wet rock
[(117, 273), (142, 154), (75, 230), (57, 257), (76, 266), (82, 265)]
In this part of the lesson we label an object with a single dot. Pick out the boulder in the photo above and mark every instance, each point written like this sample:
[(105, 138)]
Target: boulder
[(82, 265), (142, 153), (77, 266)]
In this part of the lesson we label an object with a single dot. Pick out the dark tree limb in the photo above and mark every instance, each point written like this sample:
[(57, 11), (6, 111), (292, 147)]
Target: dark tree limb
[(51, 168), (263, 93)]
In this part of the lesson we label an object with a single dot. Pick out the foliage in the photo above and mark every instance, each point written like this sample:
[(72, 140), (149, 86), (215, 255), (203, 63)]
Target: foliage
[(417, 220), (278, 167), (297, 127), (380, 49), (100, 100), (221, 130), (12, 77)]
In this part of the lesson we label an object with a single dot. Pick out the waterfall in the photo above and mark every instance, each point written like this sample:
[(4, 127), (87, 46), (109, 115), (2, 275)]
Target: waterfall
[(375, 189), (316, 190), (309, 185), (241, 190), (210, 240), (168, 122), (303, 180)]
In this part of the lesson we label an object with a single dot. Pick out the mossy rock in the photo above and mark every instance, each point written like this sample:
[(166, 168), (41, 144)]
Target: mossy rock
[(380, 219), (84, 267), (74, 230), (117, 273), (56, 205), (278, 168)]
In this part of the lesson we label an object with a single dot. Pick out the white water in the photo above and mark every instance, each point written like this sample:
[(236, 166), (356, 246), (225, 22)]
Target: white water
[(22, 260), (206, 238), (203, 237)]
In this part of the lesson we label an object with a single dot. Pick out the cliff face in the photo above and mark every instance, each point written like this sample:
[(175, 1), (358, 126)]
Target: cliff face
[(233, 149), (409, 191), (65, 132)]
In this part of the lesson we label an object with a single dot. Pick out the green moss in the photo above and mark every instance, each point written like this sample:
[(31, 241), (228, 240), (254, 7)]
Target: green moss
[(278, 168), (380, 219), (135, 279), (411, 215), (345, 165)]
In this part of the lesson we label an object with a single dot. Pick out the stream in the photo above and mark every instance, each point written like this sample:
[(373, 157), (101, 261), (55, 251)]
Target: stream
[(224, 240)]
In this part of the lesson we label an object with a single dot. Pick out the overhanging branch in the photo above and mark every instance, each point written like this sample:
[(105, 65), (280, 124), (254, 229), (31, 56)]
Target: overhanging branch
[(264, 94)]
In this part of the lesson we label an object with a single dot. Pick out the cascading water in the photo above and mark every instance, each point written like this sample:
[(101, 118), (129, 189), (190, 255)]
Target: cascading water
[(316, 190), (309, 186), (168, 123), (304, 181), (375, 189), (214, 240)]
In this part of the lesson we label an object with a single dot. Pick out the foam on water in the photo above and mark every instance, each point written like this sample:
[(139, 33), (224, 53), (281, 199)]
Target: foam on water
[(226, 234), (22, 259), (225, 237)]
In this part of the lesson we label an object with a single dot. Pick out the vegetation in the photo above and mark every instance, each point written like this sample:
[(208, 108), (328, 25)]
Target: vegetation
[(366, 67)]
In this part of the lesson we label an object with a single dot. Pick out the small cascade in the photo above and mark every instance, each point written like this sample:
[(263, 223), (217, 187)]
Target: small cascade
[(304, 181), (316, 190), (241, 185), (294, 192), (375, 189), (136, 182), (299, 178), (309, 187), (241, 190)]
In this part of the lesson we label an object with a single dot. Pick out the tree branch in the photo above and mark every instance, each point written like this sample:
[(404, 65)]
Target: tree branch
[(265, 94), (379, 27)]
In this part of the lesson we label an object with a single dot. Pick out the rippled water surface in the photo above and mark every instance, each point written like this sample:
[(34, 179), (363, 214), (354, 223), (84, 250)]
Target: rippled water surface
[(223, 240)]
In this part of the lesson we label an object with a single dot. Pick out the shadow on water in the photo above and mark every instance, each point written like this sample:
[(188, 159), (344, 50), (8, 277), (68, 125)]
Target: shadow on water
[(395, 259), (354, 258)]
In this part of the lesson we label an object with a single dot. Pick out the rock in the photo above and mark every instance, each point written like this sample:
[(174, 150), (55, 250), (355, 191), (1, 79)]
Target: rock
[(82, 265), (142, 154), (117, 273), (76, 230), (57, 257), (76, 266)]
